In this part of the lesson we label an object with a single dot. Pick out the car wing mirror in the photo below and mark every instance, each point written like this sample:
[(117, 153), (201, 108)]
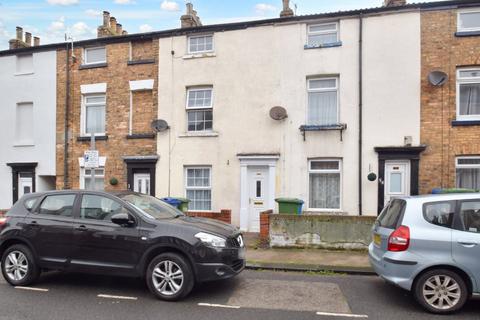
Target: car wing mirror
[(122, 219)]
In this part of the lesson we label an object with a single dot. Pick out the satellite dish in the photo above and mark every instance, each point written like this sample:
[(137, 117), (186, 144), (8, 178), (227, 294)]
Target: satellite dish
[(159, 125), (437, 78), (278, 113)]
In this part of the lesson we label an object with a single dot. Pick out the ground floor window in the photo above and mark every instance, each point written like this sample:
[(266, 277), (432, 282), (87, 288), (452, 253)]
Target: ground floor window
[(198, 188), (86, 178), (324, 184), (468, 172)]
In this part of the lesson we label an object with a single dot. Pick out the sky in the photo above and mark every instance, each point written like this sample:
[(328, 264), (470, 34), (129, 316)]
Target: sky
[(52, 19)]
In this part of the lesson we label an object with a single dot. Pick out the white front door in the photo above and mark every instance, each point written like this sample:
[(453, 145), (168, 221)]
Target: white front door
[(25, 184), (397, 179), (258, 196), (141, 182)]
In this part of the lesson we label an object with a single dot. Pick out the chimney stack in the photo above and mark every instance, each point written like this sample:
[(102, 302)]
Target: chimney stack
[(190, 18), (19, 33), (36, 41), (106, 19), (286, 12), (394, 3), (28, 39)]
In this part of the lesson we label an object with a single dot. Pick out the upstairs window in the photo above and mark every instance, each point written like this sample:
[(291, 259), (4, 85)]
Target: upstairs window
[(199, 109), (468, 172), (200, 44), (321, 34), (93, 114), (468, 21), (468, 94), (24, 64), (322, 101), (24, 124), (95, 55)]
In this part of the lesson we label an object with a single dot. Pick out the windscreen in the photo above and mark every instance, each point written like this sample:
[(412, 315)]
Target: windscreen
[(391, 214), (151, 206)]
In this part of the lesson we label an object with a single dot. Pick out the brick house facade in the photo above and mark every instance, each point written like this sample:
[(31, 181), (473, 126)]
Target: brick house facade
[(448, 133), (112, 92)]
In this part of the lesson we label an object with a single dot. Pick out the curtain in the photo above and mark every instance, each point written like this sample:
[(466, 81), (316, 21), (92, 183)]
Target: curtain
[(325, 190), (468, 178), (95, 119), (322, 108), (470, 99)]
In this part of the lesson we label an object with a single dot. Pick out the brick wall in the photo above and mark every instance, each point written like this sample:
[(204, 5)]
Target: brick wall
[(442, 50), (265, 224), (117, 75), (224, 215)]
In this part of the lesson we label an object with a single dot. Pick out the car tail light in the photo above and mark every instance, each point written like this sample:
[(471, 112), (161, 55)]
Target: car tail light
[(399, 240)]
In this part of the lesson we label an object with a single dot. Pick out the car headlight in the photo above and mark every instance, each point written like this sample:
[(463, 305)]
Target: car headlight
[(211, 239)]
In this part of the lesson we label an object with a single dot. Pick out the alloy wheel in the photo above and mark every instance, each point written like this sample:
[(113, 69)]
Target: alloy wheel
[(16, 265), (167, 277), (441, 292)]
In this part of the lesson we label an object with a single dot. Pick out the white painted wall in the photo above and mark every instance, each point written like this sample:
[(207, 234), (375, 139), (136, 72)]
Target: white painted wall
[(261, 67), (39, 88)]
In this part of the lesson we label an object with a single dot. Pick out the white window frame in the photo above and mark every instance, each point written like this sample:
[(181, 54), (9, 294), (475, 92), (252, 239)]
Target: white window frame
[(189, 51), (82, 176), (85, 55), (460, 81), (202, 108), (83, 115), (336, 89), (315, 33), (339, 170), (186, 188), (459, 14), (465, 166)]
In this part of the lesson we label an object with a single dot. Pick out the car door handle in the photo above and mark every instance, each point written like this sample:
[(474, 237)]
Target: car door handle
[(33, 223), (81, 228), (468, 243)]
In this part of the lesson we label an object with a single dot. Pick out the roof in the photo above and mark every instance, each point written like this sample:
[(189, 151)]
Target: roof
[(437, 5)]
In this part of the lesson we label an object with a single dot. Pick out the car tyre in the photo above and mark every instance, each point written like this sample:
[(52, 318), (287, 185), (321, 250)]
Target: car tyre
[(170, 277), (19, 267), (441, 284)]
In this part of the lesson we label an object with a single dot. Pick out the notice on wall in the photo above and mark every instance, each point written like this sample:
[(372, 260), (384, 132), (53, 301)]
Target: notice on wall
[(91, 159)]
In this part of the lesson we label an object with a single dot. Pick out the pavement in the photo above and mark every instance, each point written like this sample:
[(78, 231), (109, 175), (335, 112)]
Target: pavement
[(265, 295), (293, 259)]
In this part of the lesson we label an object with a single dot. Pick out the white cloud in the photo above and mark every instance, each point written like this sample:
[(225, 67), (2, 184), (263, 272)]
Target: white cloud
[(62, 2), (264, 8), (146, 28), (170, 6), (57, 26), (81, 30), (93, 13), (124, 1)]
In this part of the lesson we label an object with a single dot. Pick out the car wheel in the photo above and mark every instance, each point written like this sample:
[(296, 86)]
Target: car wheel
[(18, 266), (441, 291), (170, 277)]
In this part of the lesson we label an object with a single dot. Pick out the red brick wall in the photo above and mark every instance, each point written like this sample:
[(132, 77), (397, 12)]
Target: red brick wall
[(224, 215), (442, 50), (265, 224)]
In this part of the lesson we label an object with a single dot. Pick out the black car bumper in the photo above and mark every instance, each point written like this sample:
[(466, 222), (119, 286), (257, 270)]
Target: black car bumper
[(223, 264)]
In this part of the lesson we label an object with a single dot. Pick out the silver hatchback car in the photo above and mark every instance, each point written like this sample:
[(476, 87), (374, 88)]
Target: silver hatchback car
[(430, 245)]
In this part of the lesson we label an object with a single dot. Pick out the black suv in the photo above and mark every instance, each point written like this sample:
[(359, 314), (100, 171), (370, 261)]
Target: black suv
[(122, 233)]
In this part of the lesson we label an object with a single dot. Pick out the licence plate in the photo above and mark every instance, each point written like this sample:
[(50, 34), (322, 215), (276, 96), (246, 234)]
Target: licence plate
[(377, 239)]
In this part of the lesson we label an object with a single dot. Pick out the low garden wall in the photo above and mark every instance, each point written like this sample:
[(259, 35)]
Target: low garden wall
[(224, 215), (317, 231)]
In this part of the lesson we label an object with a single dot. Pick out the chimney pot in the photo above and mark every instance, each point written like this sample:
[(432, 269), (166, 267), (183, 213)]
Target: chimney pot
[(189, 8), (394, 3), (36, 41), (106, 19), (19, 33), (286, 12), (119, 28), (28, 38), (113, 24)]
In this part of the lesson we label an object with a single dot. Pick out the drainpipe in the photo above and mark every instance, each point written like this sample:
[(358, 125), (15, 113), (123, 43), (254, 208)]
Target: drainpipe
[(67, 100), (360, 111)]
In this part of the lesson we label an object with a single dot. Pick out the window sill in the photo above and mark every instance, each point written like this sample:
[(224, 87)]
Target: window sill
[(338, 126), (141, 136), (461, 34), (24, 144), (199, 134), (23, 73), (325, 45), (199, 55), (141, 61), (97, 138), (93, 65), (460, 123)]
